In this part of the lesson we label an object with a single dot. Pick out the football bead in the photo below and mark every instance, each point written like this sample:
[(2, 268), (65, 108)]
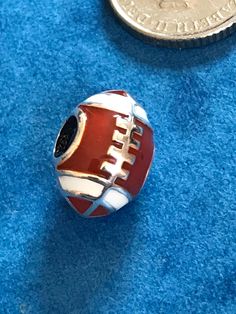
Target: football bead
[(103, 153)]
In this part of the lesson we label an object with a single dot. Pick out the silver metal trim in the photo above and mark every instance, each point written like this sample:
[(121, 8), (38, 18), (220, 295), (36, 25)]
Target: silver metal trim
[(121, 155), (102, 202), (119, 150), (81, 120)]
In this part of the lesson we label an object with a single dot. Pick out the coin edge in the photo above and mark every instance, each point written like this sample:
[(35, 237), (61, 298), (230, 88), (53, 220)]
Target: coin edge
[(192, 40)]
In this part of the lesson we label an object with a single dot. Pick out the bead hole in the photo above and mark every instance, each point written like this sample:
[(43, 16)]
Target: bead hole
[(66, 136)]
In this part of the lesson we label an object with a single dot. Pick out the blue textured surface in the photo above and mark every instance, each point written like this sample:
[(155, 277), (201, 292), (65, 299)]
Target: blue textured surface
[(173, 249)]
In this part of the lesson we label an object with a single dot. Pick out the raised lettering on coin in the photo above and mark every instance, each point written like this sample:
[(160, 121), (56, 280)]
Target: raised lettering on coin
[(178, 22)]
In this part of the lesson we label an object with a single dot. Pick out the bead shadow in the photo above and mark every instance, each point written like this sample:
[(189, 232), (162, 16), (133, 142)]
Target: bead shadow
[(79, 256), (156, 56), (69, 258)]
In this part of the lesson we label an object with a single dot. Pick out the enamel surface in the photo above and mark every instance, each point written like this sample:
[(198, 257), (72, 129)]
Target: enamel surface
[(81, 186), (116, 199), (110, 157)]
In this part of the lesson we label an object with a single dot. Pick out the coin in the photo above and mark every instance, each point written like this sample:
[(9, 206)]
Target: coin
[(178, 23)]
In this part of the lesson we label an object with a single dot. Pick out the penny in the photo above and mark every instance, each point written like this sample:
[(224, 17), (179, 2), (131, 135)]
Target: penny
[(179, 23)]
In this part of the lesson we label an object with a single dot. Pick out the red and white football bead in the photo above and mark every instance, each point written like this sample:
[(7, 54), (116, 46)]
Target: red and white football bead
[(103, 153)]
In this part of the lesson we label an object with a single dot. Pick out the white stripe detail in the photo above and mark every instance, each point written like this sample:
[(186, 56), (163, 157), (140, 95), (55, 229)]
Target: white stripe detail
[(115, 199), (140, 113), (115, 102), (121, 104), (80, 186)]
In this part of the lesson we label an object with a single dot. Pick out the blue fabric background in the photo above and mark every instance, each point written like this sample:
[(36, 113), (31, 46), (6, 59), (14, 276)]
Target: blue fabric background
[(170, 251)]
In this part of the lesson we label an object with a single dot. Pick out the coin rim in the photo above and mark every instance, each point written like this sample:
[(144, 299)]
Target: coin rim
[(229, 23)]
